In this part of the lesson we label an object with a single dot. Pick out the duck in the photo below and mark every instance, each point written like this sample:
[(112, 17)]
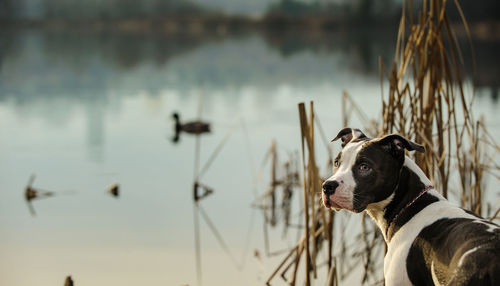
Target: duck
[(114, 190), (30, 194), (194, 127)]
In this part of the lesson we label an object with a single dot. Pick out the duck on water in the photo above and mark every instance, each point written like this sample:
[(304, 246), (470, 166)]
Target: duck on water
[(193, 127)]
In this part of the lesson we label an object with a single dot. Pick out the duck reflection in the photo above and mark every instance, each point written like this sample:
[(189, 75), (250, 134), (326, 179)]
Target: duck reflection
[(194, 127), (206, 191)]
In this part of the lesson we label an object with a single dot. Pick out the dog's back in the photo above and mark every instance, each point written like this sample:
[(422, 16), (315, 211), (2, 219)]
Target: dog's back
[(456, 251)]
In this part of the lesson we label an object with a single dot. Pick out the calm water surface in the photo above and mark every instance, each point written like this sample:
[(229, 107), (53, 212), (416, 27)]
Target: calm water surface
[(83, 111)]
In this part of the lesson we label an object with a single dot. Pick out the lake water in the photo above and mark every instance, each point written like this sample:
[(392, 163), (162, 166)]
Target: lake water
[(85, 110)]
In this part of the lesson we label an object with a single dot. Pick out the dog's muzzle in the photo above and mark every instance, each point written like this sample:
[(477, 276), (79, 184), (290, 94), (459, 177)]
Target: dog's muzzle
[(329, 187)]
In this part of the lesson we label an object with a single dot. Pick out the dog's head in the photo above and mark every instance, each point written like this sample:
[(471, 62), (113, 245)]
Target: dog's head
[(366, 170)]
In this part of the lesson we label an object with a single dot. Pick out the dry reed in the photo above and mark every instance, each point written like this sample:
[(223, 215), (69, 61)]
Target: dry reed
[(426, 102)]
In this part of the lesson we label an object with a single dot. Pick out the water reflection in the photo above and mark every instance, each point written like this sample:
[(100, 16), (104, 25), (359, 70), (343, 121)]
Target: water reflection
[(82, 109), (55, 63)]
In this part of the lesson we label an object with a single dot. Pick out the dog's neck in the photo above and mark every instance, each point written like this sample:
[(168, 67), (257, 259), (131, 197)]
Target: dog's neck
[(406, 199)]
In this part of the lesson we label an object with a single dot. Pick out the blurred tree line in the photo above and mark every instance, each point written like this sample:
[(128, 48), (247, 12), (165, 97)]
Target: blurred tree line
[(356, 9), (95, 9), (353, 10), (370, 10)]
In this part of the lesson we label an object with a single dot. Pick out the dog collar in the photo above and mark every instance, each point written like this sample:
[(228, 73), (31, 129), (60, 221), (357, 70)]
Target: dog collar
[(403, 209)]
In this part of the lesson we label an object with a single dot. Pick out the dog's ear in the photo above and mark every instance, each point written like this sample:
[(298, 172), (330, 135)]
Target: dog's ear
[(348, 134), (395, 144)]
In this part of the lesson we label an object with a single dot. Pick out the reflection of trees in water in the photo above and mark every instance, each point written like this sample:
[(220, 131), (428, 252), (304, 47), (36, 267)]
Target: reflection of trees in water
[(10, 45), (126, 50), (487, 59), (361, 46), (83, 59), (121, 50)]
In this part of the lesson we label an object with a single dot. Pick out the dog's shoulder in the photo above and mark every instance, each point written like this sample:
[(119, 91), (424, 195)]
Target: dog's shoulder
[(396, 271), (439, 227), (454, 249)]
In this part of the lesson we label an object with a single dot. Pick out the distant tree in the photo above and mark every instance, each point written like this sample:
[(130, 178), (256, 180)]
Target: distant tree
[(115, 9), (365, 11), (10, 9), (295, 7)]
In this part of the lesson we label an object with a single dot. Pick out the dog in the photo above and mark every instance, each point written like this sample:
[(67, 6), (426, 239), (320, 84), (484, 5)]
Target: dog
[(430, 241)]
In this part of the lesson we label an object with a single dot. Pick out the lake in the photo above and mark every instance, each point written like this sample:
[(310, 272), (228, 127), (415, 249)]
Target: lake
[(84, 110)]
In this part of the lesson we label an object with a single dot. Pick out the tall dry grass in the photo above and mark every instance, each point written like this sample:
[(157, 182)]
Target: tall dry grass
[(426, 102)]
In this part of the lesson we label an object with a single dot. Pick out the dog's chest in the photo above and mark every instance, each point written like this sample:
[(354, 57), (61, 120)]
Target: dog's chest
[(395, 271)]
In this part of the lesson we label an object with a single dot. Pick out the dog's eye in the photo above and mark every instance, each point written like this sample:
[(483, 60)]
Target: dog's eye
[(336, 163), (364, 167)]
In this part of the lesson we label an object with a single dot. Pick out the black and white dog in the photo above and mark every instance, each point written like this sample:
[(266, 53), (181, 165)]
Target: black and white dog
[(430, 241)]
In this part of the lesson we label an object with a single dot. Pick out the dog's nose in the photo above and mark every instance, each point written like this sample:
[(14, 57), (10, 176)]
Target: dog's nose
[(329, 187)]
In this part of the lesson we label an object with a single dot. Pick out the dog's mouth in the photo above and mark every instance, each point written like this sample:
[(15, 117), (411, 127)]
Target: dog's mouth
[(331, 204)]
